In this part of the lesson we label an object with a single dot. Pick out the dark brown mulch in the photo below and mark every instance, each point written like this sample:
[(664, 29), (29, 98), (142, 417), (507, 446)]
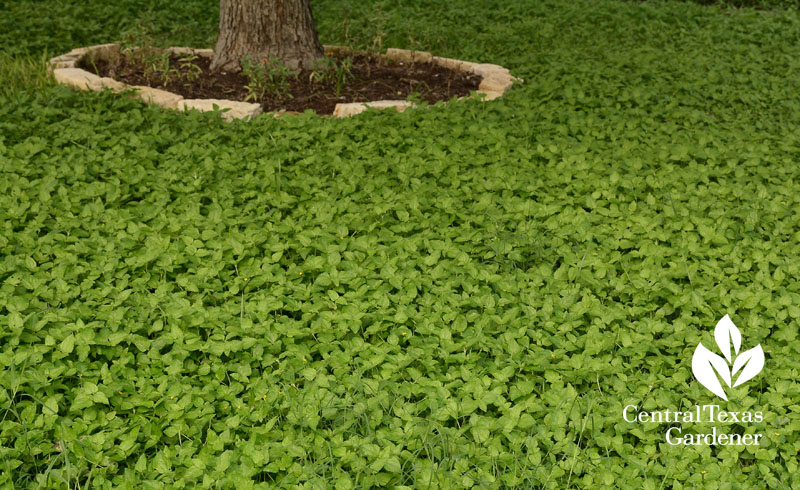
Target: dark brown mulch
[(373, 78)]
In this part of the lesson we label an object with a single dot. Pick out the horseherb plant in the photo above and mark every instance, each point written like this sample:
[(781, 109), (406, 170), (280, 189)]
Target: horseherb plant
[(461, 297)]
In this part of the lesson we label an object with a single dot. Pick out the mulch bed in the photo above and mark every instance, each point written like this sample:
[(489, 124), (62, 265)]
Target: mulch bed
[(373, 78)]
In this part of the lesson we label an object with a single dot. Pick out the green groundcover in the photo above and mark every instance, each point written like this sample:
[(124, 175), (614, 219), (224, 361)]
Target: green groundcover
[(591, 282)]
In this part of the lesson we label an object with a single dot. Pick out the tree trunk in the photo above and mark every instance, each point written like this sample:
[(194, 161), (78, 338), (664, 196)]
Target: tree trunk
[(263, 29)]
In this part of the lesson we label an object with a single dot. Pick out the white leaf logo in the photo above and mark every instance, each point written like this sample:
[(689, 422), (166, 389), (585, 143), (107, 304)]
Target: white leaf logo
[(725, 334), (709, 368), (704, 364), (753, 363)]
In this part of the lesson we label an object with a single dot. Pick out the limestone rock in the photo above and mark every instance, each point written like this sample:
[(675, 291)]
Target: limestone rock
[(496, 83), (236, 110), (97, 49), (490, 94), (76, 77), (106, 82), (158, 96), (63, 61), (408, 56), (203, 53), (353, 108), (487, 70), (451, 64)]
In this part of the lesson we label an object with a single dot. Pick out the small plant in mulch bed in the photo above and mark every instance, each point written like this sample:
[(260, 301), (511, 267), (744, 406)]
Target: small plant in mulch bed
[(268, 76), (189, 69), (355, 77), (330, 69), (155, 66)]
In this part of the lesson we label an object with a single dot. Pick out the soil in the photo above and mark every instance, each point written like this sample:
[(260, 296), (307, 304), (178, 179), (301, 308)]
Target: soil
[(372, 78)]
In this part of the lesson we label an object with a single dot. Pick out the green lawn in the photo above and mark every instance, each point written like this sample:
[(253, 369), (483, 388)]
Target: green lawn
[(460, 297)]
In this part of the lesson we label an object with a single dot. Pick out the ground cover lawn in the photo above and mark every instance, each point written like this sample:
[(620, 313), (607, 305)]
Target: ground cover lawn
[(462, 297)]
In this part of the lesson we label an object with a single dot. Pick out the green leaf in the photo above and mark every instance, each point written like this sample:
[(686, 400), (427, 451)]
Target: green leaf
[(141, 464), (224, 461), (67, 344)]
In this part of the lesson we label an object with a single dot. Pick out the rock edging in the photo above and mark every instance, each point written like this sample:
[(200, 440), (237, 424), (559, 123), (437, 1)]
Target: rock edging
[(495, 81)]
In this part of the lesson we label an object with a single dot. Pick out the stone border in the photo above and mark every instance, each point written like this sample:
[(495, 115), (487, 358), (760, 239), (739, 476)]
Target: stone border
[(495, 81)]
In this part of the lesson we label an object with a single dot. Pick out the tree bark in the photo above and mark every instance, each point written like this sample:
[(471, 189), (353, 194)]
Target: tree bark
[(263, 29)]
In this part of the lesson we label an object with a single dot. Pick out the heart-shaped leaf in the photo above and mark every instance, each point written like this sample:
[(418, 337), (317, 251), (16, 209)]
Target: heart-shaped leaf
[(704, 365), (753, 362), (726, 333)]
